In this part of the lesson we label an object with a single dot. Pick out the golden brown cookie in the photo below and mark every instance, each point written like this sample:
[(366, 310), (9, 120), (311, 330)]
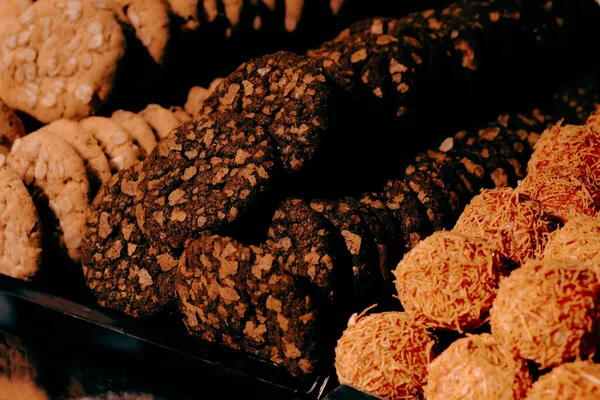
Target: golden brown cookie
[(150, 19), (12, 9), (180, 114), (187, 10), (160, 119), (48, 164), (137, 128), (11, 127), (115, 142), (59, 59), (195, 99), (84, 143), (20, 242)]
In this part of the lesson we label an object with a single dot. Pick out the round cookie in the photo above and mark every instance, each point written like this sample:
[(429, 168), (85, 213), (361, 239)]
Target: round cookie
[(180, 114), (150, 19), (195, 100), (160, 119), (363, 253), (239, 296), (12, 9), (205, 174), (11, 127), (115, 142), (84, 143), (137, 128), (59, 59), (20, 242), (187, 10), (284, 93), (303, 244), (47, 163), (123, 271)]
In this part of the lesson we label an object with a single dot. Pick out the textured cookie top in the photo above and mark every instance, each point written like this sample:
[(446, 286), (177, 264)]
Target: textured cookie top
[(59, 58), (284, 93), (123, 271), (86, 146), (11, 127), (137, 128), (46, 162), (20, 242), (241, 297), (202, 176)]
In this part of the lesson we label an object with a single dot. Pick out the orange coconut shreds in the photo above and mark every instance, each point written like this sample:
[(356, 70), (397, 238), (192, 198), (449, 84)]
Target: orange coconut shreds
[(548, 311), (511, 220), (475, 368), (564, 150), (450, 280), (576, 380), (562, 197), (577, 240), (385, 354)]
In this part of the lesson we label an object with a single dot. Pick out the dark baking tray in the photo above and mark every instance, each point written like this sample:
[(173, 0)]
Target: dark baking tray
[(163, 355)]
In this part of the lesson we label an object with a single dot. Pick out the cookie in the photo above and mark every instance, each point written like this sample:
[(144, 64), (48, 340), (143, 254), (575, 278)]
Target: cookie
[(239, 296), (10, 9), (21, 241), (187, 10), (204, 175), (181, 115), (122, 270), (48, 164), (115, 142), (195, 100), (86, 146), (138, 129), (160, 119), (363, 252), (469, 165), (59, 59), (303, 243), (11, 127), (284, 93), (149, 19), (408, 211)]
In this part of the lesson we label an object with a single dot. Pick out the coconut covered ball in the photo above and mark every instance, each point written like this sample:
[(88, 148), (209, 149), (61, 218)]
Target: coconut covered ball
[(548, 311), (563, 197), (511, 220), (386, 355), (577, 240), (450, 280), (568, 151), (577, 380), (476, 368)]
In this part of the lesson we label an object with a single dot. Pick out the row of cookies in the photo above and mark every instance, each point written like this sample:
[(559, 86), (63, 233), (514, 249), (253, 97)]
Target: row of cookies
[(509, 261)]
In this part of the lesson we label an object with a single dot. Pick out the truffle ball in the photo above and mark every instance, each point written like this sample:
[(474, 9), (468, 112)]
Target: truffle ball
[(567, 151), (577, 240), (386, 355), (563, 197), (450, 280), (509, 219), (548, 311), (576, 380), (475, 367)]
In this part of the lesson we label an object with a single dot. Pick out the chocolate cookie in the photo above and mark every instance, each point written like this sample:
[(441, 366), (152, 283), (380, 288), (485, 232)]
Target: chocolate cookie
[(60, 59), (21, 241), (364, 257), (287, 95), (302, 242), (122, 270), (241, 297), (204, 175), (11, 127), (408, 210)]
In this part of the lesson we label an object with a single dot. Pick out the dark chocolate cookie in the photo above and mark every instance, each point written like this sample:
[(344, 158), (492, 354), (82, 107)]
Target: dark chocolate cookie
[(302, 241), (408, 210), (241, 297), (204, 175), (366, 277), (287, 95), (123, 270)]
